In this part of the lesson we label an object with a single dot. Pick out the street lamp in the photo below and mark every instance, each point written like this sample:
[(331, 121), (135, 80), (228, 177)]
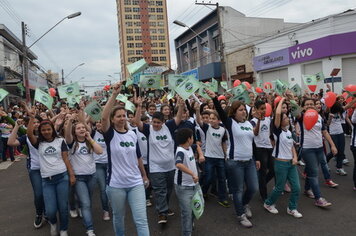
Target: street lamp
[(181, 24), (64, 77), (25, 49)]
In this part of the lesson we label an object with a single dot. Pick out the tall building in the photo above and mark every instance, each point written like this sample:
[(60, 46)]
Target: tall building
[(143, 32)]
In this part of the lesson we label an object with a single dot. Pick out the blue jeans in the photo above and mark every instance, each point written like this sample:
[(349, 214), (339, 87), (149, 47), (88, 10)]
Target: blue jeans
[(339, 141), (212, 164), (312, 157), (238, 174), (36, 182), (84, 186), (55, 195), (185, 195), (137, 201), (162, 185), (101, 176), (325, 168)]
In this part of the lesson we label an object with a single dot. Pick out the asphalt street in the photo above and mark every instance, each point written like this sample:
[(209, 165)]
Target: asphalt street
[(17, 212)]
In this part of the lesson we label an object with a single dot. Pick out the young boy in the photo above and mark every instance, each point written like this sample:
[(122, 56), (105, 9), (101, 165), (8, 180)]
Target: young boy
[(186, 176)]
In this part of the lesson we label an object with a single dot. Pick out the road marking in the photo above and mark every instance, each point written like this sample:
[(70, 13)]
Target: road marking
[(4, 165)]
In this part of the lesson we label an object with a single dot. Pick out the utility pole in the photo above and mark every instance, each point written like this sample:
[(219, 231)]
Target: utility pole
[(62, 77), (25, 64)]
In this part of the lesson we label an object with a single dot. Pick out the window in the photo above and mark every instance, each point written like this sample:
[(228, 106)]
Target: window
[(161, 37), (136, 9), (160, 23), (154, 51), (137, 23), (162, 45), (130, 45), (131, 52), (128, 23), (154, 58), (151, 9), (160, 31), (131, 59), (135, 2), (139, 52), (138, 37), (163, 59), (153, 31), (152, 24), (153, 37), (128, 17), (127, 2), (137, 17), (152, 17), (159, 3), (138, 45), (129, 31), (128, 9), (162, 51), (151, 3), (159, 10), (159, 17), (153, 45), (129, 38), (138, 31)]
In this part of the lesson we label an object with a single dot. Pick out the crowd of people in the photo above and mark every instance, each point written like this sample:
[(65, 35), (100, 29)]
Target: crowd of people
[(218, 146)]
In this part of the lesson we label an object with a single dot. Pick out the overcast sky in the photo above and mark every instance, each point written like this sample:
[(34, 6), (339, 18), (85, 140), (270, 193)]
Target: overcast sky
[(92, 38)]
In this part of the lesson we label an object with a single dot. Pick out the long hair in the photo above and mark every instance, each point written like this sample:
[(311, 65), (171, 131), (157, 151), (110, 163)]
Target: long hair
[(41, 138), (76, 142)]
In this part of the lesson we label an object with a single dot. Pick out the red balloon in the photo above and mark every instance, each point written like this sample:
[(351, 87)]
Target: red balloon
[(268, 110), (237, 83), (330, 99), (345, 95), (350, 88), (267, 85), (52, 92), (277, 100), (221, 97), (247, 84), (106, 87), (349, 99), (258, 90), (310, 118)]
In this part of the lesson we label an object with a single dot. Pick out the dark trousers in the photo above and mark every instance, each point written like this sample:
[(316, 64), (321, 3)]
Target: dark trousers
[(266, 171), (339, 141), (353, 149), (5, 148)]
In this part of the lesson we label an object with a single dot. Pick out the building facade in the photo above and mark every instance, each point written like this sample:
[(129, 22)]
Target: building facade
[(321, 45), (143, 32)]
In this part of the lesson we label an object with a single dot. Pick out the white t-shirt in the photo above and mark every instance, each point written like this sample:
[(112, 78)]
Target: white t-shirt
[(312, 138), (185, 157), (262, 140), (241, 139), (201, 133), (284, 144), (142, 143), (123, 155), (214, 139), (335, 126), (51, 161), (83, 162), (103, 157), (161, 147), (33, 162), (353, 136)]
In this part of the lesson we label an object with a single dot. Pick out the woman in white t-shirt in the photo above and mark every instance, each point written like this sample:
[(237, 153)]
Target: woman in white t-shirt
[(55, 168), (82, 146), (126, 173), (285, 163)]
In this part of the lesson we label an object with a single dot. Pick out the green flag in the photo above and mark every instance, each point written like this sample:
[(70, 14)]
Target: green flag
[(295, 108), (238, 90), (69, 90), (137, 66), (121, 98), (188, 87), (243, 97), (21, 87), (296, 90), (3, 94), (129, 82), (44, 98), (150, 81), (223, 84), (202, 91), (130, 106), (319, 76), (280, 87), (214, 85), (72, 100), (171, 95), (94, 110), (310, 81), (175, 80)]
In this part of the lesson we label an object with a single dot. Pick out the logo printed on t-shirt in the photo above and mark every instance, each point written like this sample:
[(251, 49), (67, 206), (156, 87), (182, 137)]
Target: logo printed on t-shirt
[(143, 138), (264, 127), (245, 128), (127, 144), (83, 150), (216, 135), (164, 137), (50, 150), (100, 140), (191, 158), (289, 137)]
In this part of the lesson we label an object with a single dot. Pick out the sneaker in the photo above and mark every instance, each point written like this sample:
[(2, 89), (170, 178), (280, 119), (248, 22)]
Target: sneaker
[(148, 203), (271, 208), (294, 213), (331, 183), (341, 172), (309, 193), (53, 230), (287, 188), (106, 216), (345, 162), (321, 202), (170, 212), (162, 219), (64, 233), (248, 211), (244, 221), (73, 213), (301, 163), (224, 203), (80, 213), (38, 222), (90, 233)]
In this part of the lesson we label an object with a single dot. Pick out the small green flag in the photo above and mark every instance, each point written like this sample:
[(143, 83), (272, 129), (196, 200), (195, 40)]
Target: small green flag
[(319, 76), (310, 81), (175, 80), (69, 90), (3, 94), (137, 66), (295, 108), (94, 110), (202, 91), (150, 81), (188, 87), (171, 95), (72, 100), (238, 90), (223, 84), (121, 98), (243, 97), (130, 106), (129, 82), (296, 90), (43, 98), (214, 85), (21, 87), (280, 87)]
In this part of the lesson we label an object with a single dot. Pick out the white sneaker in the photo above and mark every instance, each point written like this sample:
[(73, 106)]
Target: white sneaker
[(90, 233), (244, 221), (248, 211), (106, 216), (294, 213), (301, 163), (345, 161), (53, 229), (271, 208), (341, 172), (73, 213), (63, 233)]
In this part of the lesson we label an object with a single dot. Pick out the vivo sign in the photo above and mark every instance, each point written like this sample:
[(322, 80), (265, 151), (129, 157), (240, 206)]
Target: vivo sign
[(332, 45)]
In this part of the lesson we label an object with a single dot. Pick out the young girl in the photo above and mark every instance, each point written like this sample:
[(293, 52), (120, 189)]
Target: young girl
[(82, 146), (55, 168), (284, 164)]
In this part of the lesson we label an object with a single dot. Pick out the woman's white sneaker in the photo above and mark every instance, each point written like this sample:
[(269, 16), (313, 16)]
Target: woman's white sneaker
[(271, 208), (294, 213), (53, 230)]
